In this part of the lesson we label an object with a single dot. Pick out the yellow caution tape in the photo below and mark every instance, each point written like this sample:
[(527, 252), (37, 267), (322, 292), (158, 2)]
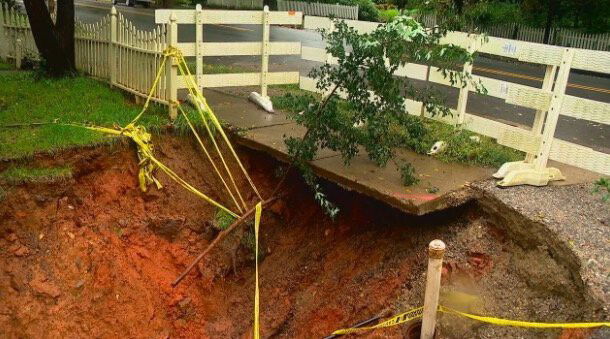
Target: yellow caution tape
[(417, 313), (196, 93), (518, 323), (257, 220), (148, 163), (402, 318)]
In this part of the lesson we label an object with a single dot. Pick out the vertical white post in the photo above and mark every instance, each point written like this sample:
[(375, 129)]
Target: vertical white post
[(265, 52), (18, 53), (112, 55), (547, 85), (3, 37), (554, 109), (436, 250), (171, 71), (199, 46), (465, 90)]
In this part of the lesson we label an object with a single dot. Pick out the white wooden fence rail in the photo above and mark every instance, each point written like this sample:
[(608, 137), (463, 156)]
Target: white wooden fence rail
[(538, 142), (319, 9), (199, 49), (115, 51)]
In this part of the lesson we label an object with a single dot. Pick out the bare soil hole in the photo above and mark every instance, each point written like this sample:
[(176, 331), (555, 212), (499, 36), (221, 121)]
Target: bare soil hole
[(95, 258)]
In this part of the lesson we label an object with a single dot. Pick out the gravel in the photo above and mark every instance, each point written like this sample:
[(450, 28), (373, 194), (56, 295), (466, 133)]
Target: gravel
[(577, 219)]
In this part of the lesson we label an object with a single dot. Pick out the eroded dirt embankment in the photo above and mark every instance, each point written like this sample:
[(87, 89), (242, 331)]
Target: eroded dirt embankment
[(94, 257)]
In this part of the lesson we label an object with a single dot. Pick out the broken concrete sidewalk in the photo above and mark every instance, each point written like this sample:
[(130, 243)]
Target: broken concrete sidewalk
[(440, 183)]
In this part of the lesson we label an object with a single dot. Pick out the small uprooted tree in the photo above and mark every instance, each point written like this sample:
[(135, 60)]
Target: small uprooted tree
[(54, 40), (374, 96)]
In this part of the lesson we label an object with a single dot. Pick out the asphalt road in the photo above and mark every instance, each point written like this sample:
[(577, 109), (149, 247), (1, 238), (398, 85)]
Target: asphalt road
[(582, 85)]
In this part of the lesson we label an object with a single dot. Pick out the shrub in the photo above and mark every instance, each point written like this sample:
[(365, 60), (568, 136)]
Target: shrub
[(388, 15), (493, 13), (366, 10)]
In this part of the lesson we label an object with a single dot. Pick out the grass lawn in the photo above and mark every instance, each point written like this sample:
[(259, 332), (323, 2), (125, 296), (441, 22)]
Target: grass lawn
[(26, 99), (22, 174), (5, 66)]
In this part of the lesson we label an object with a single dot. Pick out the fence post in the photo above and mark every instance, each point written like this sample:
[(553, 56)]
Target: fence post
[(465, 90), (18, 53), (112, 62), (171, 71), (547, 85), (199, 46), (265, 52), (554, 109), (436, 250), (3, 37)]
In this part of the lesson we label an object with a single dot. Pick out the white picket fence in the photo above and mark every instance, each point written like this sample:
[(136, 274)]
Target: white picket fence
[(237, 4), (557, 36), (16, 40), (538, 141), (319, 9), (115, 51)]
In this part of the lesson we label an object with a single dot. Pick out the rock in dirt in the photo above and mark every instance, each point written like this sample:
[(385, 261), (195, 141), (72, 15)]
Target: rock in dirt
[(166, 227), (79, 284), (44, 287), (12, 237), (20, 250)]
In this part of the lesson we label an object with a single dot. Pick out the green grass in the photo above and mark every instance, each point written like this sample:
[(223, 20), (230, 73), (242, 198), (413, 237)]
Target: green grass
[(602, 187), (5, 66), (460, 148), (21, 175), (222, 220), (25, 99), (387, 15)]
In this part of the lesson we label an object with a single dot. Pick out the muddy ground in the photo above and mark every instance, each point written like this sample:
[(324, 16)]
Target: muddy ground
[(94, 257)]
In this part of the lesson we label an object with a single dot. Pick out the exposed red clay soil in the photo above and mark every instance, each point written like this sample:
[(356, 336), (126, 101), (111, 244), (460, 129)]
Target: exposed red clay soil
[(94, 257)]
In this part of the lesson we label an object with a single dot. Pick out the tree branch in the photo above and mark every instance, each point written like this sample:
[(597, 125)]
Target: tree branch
[(219, 237)]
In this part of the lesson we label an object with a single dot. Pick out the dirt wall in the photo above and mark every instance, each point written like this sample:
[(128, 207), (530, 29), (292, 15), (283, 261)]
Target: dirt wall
[(94, 257)]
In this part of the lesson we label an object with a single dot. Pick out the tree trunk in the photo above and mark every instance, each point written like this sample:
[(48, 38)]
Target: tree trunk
[(550, 17), (459, 6), (55, 41)]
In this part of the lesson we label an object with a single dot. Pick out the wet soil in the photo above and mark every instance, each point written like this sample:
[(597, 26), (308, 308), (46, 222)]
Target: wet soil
[(94, 257)]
